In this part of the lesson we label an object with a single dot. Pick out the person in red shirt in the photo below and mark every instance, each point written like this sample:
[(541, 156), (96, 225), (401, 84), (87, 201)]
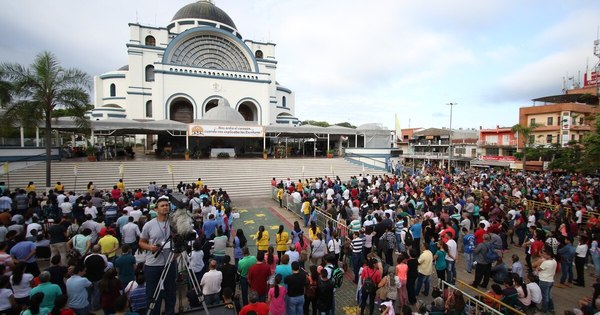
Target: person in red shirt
[(479, 233), (369, 271), (258, 276), (261, 308)]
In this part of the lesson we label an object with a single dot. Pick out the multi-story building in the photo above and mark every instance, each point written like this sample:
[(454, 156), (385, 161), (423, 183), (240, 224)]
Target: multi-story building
[(500, 141), (432, 145), (561, 119)]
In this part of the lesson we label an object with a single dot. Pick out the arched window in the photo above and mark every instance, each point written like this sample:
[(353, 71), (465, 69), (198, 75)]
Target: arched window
[(149, 109), (283, 102), (149, 73), (150, 41), (258, 54), (113, 90)]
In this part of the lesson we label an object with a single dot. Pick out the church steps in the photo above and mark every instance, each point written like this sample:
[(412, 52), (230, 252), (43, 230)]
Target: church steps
[(239, 177)]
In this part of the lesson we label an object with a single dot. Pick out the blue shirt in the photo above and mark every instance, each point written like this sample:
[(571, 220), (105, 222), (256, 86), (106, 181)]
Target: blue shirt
[(415, 230), (77, 291), (125, 264), (22, 249), (284, 271), (137, 298), (210, 227)]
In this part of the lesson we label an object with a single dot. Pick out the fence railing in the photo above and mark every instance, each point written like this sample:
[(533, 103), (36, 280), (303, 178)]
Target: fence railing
[(475, 305), (501, 307)]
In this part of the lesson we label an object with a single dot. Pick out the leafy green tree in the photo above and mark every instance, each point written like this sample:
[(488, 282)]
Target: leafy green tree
[(5, 91), (39, 89), (525, 132), (316, 123), (346, 124), (591, 156)]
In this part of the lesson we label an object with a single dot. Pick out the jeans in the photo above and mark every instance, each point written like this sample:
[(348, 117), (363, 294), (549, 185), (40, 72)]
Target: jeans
[(244, 287), (306, 217), (547, 302), (450, 271), (212, 299), (401, 246), (566, 269), (420, 280), (94, 295), (596, 260), (152, 274), (356, 261), (81, 311), (469, 261), (295, 305), (579, 266), (363, 301)]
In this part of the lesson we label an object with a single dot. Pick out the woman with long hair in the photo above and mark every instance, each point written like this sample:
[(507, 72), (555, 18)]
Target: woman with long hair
[(297, 232), (313, 231), (90, 187), (21, 283), (271, 259), (110, 290), (281, 238), (402, 274), (440, 260), (262, 241), (239, 241), (302, 249), (276, 297), (522, 291), (9, 305)]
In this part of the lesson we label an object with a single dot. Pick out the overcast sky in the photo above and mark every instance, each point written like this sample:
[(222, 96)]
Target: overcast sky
[(356, 61)]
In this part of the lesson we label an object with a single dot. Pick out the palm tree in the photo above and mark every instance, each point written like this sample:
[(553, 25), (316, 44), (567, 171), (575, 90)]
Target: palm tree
[(39, 89), (525, 132)]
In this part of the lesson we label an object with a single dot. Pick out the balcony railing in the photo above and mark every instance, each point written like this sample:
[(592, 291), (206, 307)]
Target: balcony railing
[(497, 143)]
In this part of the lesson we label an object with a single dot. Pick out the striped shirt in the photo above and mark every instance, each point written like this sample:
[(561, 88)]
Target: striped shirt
[(137, 298), (357, 245)]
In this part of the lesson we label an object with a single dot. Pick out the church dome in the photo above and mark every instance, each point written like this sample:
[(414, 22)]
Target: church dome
[(223, 112), (204, 10)]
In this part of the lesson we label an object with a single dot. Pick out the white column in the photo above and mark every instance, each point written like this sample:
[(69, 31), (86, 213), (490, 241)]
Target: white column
[(328, 143), (37, 137), (22, 133), (187, 140), (365, 140), (92, 142), (355, 141)]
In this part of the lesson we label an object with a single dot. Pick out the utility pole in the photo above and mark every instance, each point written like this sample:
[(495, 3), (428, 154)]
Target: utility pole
[(450, 144)]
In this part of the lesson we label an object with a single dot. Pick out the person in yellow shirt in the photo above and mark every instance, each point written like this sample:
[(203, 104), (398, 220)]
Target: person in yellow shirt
[(299, 186), (30, 187), (306, 211), (262, 241), (90, 187), (121, 185), (280, 196), (282, 239), (59, 187), (109, 245), (313, 231), (199, 183)]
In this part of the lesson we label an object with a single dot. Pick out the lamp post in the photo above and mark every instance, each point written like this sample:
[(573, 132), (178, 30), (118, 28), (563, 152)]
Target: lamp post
[(450, 144)]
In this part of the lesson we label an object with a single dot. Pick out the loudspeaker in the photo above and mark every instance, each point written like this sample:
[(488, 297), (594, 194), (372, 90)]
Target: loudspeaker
[(179, 200), (212, 310)]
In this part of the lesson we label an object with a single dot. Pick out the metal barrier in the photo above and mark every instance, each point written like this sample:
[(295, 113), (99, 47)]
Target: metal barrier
[(475, 305), (503, 308)]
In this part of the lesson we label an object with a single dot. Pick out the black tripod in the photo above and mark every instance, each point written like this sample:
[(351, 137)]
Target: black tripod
[(182, 261)]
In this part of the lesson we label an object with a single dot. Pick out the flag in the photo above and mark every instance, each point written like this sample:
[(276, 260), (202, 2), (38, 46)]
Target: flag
[(170, 169), (121, 169), (398, 130), (75, 169), (5, 167)]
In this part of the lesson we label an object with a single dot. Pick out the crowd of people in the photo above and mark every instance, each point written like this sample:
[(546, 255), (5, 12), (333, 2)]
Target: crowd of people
[(391, 234)]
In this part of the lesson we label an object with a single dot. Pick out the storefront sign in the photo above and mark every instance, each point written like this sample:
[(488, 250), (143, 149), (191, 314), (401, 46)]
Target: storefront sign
[(226, 131), (497, 158)]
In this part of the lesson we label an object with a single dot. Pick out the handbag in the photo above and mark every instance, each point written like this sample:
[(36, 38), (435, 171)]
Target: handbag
[(382, 293), (392, 293)]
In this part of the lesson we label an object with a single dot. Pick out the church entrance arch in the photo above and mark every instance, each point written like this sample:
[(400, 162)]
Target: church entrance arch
[(210, 105), (248, 110), (182, 110)]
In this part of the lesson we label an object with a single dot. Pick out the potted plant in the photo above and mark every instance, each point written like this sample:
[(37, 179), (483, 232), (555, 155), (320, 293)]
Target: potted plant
[(90, 151), (186, 154), (329, 153), (223, 155), (265, 154)]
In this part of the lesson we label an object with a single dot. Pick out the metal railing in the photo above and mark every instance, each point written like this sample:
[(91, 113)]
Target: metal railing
[(366, 160), (475, 305), (502, 308)]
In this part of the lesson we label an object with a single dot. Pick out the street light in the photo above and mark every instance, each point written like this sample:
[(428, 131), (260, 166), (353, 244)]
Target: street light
[(450, 144)]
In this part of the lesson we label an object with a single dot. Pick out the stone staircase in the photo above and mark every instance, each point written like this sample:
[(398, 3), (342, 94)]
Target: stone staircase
[(241, 178)]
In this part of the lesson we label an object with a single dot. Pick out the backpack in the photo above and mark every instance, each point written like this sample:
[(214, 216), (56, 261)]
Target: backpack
[(491, 255), (408, 238), (337, 276), (368, 284)]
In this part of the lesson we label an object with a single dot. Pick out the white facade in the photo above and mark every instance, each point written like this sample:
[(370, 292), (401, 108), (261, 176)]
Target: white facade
[(181, 71)]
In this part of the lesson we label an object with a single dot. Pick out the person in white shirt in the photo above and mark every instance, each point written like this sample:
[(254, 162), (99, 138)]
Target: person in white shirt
[(66, 207), (580, 254), (197, 260), (211, 284), (91, 210), (451, 258), (534, 289), (196, 203), (546, 271), (334, 245), (136, 214), (131, 232), (33, 226), (579, 216)]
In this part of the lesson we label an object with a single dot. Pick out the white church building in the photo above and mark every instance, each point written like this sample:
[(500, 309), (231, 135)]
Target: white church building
[(181, 71)]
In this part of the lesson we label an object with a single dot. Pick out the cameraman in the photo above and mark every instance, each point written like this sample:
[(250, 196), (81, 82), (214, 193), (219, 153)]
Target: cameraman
[(154, 234)]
